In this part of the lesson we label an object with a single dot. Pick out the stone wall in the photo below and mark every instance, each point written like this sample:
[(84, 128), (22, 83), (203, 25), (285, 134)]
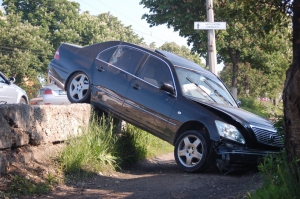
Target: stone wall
[(22, 126)]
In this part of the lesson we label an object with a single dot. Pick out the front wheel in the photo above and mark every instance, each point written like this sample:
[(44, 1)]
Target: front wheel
[(78, 88), (191, 151)]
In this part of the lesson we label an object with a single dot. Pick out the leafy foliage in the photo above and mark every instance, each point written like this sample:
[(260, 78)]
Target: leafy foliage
[(58, 17), (279, 183), (181, 51), (24, 53), (246, 37), (101, 147), (104, 27)]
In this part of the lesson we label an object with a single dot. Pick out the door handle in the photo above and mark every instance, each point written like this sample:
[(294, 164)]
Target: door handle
[(136, 86), (100, 68)]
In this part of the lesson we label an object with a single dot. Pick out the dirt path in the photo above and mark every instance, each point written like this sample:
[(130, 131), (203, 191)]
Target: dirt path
[(160, 178)]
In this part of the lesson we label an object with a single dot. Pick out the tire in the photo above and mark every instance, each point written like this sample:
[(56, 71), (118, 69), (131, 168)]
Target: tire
[(191, 151), (23, 101), (79, 88)]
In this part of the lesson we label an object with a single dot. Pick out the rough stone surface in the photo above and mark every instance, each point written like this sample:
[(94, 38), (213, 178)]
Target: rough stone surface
[(23, 125)]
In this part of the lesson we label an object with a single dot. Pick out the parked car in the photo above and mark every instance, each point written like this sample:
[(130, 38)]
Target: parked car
[(11, 93), (169, 96), (50, 95)]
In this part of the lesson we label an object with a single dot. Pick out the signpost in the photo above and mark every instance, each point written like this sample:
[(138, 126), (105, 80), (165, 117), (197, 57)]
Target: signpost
[(210, 26)]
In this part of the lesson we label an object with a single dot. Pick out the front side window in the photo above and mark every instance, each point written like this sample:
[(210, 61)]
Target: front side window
[(156, 72), (197, 85), (126, 58)]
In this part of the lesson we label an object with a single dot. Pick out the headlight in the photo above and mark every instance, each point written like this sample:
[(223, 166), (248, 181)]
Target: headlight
[(230, 132)]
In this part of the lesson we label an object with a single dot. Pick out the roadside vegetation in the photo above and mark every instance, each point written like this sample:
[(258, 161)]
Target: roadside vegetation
[(255, 59), (278, 181), (104, 148)]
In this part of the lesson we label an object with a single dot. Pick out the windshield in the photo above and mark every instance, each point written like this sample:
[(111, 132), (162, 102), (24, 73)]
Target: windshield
[(203, 87)]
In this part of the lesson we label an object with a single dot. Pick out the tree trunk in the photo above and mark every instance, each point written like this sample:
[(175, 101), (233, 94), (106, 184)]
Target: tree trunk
[(291, 95), (235, 69)]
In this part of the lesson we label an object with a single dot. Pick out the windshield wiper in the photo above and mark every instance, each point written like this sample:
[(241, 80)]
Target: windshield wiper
[(216, 91), (200, 89)]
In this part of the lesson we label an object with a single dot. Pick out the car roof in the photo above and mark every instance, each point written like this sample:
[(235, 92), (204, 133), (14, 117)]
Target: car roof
[(173, 58), (177, 60)]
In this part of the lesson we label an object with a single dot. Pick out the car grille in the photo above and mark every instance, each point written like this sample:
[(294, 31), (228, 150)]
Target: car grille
[(268, 137)]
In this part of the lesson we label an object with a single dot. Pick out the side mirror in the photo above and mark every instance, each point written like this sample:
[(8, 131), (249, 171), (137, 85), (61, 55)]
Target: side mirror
[(12, 79), (239, 103), (167, 87)]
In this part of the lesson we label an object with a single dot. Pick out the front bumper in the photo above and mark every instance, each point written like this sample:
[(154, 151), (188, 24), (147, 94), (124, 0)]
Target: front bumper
[(229, 157)]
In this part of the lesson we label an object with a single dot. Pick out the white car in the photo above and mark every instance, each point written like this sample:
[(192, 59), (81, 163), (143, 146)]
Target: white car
[(50, 95), (11, 93)]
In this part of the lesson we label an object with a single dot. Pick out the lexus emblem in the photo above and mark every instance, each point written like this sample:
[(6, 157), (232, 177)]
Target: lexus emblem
[(272, 138)]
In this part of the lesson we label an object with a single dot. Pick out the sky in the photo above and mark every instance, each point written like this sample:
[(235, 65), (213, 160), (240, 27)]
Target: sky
[(129, 12)]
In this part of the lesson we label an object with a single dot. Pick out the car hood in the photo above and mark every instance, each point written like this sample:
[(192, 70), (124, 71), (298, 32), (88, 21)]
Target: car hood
[(239, 114)]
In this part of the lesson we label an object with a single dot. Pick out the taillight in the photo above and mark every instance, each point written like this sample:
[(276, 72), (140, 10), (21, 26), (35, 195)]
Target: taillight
[(56, 56), (47, 92)]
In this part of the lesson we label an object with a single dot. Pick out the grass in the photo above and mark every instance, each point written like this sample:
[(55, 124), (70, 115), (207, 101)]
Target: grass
[(279, 182), (26, 185), (261, 108), (102, 148)]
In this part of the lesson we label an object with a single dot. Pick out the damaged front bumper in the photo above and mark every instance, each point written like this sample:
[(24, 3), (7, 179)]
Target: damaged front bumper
[(230, 157)]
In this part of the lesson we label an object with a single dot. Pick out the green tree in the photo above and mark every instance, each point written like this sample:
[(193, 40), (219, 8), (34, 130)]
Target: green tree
[(24, 53), (181, 51), (58, 17), (248, 80), (247, 24), (291, 96)]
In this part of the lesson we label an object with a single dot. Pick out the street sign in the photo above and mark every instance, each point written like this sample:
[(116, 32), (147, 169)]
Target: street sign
[(209, 25)]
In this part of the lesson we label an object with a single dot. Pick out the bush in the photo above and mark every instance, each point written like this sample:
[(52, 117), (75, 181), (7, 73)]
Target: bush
[(278, 181)]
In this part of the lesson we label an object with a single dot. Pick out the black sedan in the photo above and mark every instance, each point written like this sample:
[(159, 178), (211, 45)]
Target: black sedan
[(170, 97)]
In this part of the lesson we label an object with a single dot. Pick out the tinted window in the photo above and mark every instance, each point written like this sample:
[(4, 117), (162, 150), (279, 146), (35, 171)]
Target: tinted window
[(156, 71), (126, 58), (2, 80), (106, 55)]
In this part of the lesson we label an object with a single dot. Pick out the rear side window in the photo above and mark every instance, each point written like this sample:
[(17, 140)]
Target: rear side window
[(156, 72), (106, 55), (127, 58)]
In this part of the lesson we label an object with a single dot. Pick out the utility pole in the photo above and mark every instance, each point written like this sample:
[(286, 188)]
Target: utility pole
[(210, 26), (211, 42)]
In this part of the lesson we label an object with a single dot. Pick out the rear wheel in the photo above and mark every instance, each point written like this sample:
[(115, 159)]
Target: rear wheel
[(78, 88), (22, 101), (191, 151)]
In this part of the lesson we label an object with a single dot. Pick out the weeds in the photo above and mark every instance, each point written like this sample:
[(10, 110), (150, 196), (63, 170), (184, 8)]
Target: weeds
[(24, 185), (101, 148), (279, 182), (93, 151)]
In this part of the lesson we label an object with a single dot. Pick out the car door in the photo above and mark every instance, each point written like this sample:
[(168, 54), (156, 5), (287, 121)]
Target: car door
[(8, 93), (113, 71), (145, 102)]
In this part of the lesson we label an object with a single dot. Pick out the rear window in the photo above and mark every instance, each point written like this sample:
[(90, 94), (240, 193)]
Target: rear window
[(41, 92), (106, 55)]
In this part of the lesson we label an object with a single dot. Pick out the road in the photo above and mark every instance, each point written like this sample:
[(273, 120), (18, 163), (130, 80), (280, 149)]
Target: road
[(160, 178)]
